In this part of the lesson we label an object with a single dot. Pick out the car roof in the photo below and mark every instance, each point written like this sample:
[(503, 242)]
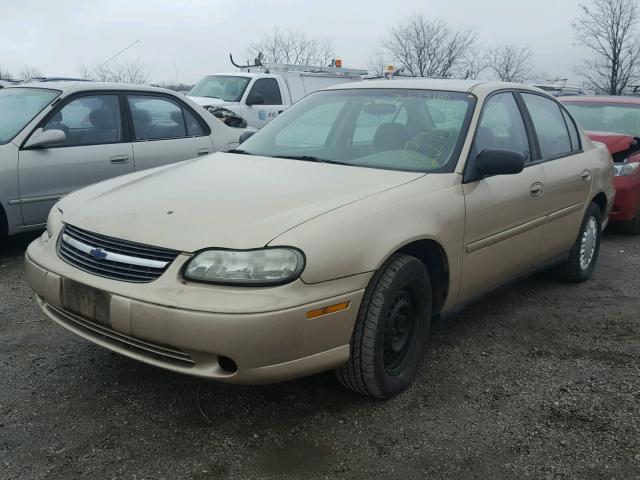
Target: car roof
[(601, 99), (448, 85), (67, 87)]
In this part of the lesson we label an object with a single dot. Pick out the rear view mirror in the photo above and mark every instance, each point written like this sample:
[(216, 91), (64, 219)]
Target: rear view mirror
[(246, 135), (46, 138), (380, 109), (255, 98), (499, 162)]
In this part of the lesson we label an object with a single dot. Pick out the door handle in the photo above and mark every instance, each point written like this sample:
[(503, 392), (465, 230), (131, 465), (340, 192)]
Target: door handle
[(586, 175), (537, 189), (203, 151), (120, 159)]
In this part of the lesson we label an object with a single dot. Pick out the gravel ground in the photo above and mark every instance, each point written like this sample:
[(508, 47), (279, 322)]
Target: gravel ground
[(538, 380)]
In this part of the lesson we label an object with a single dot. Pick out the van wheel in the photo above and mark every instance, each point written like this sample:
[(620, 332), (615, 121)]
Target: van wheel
[(584, 254), (391, 330), (631, 227)]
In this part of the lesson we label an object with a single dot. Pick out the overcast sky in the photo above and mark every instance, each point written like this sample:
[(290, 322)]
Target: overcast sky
[(197, 35)]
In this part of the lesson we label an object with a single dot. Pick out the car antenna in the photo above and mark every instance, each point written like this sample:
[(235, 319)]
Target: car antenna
[(111, 58)]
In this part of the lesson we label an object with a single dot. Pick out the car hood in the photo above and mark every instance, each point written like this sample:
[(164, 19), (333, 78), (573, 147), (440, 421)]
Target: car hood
[(615, 142), (204, 101), (222, 200)]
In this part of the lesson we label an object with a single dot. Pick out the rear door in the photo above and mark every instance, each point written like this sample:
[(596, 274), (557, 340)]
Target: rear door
[(567, 172), (259, 115), (96, 148), (164, 130), (504, 214)]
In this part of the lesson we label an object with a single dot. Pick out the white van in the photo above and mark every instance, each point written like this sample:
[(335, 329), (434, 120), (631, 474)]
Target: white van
[(258, 93)]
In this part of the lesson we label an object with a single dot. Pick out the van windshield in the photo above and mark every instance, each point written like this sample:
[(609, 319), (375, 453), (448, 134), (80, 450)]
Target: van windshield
[(225, 87), (18, 106), (397, 129)]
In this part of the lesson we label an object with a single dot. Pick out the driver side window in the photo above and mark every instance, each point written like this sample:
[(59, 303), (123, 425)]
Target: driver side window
[(88, 120), (502, 127)]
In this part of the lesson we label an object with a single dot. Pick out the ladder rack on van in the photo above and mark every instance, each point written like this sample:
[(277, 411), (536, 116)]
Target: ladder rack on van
[(261, 67)]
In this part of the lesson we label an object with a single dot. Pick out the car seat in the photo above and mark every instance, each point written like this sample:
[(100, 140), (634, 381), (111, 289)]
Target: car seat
[(105, 128), (390, 136)]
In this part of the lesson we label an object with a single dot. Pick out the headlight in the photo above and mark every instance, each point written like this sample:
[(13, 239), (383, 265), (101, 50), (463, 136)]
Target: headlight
[(267, 266), (625, 169)]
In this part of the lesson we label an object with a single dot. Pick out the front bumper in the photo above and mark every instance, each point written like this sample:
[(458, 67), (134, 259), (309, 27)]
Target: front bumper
[(188, 328), (627, 199)]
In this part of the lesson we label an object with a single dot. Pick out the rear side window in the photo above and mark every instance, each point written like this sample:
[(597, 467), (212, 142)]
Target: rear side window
[(157, 118), (269, 89), (549, 125), (501, 126), (89, 120), (573, 131)]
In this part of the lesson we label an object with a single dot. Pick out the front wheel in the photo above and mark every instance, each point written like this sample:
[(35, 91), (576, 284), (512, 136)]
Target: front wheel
[(391, 330), (584, 254)]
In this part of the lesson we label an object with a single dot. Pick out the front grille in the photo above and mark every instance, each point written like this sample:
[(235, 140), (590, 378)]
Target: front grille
[(146, 348), (113, 258)]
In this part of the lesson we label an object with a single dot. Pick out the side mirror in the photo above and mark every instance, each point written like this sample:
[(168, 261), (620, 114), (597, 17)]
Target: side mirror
[(246, 135), (46, 138), (255, 98), (499, 162)]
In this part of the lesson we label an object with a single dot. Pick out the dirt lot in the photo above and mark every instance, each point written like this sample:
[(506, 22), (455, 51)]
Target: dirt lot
[(538, 380)]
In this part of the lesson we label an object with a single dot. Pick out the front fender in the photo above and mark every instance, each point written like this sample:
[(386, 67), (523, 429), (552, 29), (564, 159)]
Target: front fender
[(359, 237)]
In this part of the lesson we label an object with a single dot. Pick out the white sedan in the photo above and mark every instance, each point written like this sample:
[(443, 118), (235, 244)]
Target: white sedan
[(61, 136)]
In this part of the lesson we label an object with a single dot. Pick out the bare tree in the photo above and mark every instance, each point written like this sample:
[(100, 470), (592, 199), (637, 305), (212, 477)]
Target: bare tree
[(377, 63), (510, 62), (474, 65), (609, 28), (430, 48), (27, 73), (132, 71), (292, 47), (5, 74)]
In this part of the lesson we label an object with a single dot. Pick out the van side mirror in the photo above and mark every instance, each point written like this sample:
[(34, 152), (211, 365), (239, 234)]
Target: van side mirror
[(255, 98), (499, 162), (47, 138)]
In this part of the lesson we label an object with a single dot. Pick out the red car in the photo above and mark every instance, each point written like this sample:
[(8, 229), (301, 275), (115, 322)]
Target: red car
[(615, 121)]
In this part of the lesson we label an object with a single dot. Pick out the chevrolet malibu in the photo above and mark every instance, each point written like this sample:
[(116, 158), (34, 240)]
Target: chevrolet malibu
[(333, 237)]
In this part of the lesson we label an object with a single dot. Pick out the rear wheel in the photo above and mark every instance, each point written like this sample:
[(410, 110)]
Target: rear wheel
[(391, 330), (631, 227), (584, 254)]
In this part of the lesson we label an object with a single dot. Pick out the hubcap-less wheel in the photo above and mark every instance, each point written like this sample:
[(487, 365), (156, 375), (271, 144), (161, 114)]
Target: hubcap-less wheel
[(589, 243), (398, 332)]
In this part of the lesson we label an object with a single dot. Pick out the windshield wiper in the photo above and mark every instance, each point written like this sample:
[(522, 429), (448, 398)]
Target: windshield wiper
[(239, 151), (310, 158)]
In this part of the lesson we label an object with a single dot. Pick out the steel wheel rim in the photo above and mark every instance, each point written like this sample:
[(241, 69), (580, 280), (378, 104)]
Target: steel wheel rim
[(588, 243), (398, 331)]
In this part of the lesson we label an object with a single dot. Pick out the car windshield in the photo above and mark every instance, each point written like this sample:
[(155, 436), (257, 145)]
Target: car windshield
[(605, 117), (398, 129), (225, 87), (18, 106)]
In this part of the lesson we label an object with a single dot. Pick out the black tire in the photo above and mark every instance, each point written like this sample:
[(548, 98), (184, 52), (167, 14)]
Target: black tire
[(631, 227), (573, 269), (391, 330)]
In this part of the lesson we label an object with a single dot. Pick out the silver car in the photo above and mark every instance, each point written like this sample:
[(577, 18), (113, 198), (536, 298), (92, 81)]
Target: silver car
[(58, 137)]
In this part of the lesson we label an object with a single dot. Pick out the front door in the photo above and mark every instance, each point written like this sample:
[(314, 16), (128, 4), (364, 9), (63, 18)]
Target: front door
[(258, 115), (94, 150), (504, 214)]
